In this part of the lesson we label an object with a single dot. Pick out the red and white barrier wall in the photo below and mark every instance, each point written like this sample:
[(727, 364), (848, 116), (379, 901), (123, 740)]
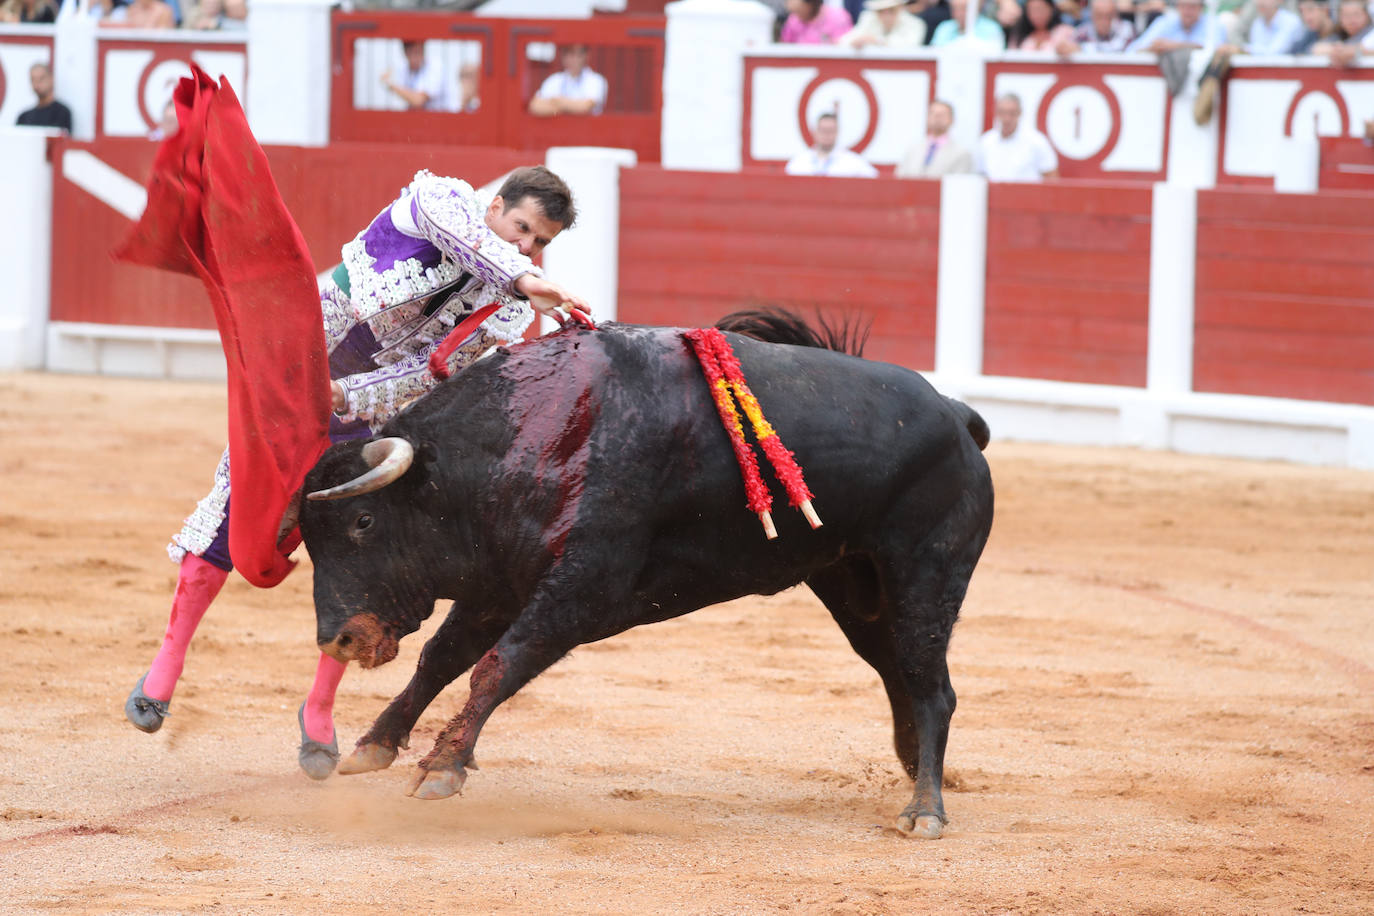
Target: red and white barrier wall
[(1229, 322)]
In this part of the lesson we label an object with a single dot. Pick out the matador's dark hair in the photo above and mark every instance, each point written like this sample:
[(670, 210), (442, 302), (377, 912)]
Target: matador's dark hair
[(536, 183)]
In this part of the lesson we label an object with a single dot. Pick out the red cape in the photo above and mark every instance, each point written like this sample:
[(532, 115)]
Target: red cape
[(214, 212)]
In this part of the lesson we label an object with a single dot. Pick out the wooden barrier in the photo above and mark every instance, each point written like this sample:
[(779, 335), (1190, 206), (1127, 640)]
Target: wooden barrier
[(1284, 303), (332, 193), (1068, 277), (694, 246), (513, 56)]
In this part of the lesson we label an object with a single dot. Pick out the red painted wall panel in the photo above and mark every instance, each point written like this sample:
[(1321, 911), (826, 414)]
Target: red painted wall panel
[(1285, 295), (1068, 279), (331, 192), (695, 246)]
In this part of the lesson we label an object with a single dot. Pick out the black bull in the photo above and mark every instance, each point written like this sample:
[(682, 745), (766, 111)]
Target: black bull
[(570, 488)]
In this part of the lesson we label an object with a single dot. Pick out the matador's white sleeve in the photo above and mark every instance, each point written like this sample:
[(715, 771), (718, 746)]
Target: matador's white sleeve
[(446, 212)]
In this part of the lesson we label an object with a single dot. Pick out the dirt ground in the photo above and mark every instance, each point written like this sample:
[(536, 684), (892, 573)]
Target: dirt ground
[(1165, 670)]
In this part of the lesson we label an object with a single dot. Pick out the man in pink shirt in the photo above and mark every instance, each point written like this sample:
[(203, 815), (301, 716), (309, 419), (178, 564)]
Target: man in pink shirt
[(813, 22)]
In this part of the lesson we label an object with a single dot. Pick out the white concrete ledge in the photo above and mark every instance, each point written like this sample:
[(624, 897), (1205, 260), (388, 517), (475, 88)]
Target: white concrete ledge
[(142, 352), (1240, 426)]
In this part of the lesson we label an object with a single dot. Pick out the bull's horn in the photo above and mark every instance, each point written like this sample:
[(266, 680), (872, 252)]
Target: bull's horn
[(388, 458), (290, 517)]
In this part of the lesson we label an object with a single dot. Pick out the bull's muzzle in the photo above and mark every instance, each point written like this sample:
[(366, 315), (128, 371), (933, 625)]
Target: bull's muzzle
[(363, 638)]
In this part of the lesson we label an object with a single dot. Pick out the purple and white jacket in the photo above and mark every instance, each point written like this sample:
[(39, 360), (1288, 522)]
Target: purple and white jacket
[(381, 317)]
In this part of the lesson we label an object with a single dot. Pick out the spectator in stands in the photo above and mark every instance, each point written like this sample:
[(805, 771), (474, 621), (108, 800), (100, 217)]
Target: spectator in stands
[(1354, 35), (1103, 30), (1184, 27), (1320, 27), (886, 24), (469, 83), (10, 11), (230, 15), (1275, 30), (421, 85), (1039, 28), (145, 14), (1012, 151), (985, 31), (36, 12), (824, 159), (938, 153), (49, 112), (931, 12), (107, 10), (575, 90), (814, 22)]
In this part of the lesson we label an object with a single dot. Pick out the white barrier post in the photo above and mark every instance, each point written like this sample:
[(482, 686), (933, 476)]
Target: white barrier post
[(1193, 147), (703, 80), (75, 60), (587, 257), (960, 287), (25, 245), (290, 60), (1169, 357), (961, 75)]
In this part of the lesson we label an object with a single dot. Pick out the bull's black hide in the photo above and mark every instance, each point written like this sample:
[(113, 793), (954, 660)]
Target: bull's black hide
[(567, 489)]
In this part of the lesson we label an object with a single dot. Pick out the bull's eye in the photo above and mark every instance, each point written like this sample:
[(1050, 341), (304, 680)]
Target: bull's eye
[(363, 523)]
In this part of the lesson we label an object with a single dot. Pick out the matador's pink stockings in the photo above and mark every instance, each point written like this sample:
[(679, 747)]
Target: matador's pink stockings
[(197, 585), (319, 705)]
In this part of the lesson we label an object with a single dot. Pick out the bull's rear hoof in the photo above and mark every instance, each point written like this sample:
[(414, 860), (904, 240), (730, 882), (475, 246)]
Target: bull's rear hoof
[(435, 784), (366, 758), (922, 827)]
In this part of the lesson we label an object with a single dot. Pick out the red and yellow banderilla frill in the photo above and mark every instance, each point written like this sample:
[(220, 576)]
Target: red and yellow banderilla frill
[(726, 378)]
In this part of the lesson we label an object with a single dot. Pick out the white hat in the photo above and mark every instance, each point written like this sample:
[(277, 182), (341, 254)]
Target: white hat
[(876, 5)]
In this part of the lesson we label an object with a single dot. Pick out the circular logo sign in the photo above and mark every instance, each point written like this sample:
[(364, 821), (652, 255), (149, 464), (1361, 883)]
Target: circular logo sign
[(853, 105)]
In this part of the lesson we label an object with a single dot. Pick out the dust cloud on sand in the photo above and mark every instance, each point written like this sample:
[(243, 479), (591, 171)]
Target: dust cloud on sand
[(1165, 671)]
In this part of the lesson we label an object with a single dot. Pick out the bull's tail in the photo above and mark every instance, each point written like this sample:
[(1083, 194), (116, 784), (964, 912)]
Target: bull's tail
[(973, 421), (776, 325)]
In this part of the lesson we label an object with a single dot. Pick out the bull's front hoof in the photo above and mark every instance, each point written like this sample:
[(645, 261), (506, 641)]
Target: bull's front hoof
[(921, 826), (317, 759), (435, 784), (366, 758)]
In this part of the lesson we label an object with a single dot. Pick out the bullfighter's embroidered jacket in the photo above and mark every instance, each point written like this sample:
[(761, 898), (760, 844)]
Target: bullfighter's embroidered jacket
[(425, 261)]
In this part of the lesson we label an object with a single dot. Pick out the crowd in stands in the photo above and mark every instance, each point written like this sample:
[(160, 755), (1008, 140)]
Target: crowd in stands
[(136, 14), (1340, 30), (1337, 29)]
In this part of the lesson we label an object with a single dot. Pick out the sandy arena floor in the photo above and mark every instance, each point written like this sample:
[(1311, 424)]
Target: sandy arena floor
[(1165, 670)]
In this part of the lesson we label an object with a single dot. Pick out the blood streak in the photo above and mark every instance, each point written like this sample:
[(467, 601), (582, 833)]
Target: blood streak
[(553, 414)]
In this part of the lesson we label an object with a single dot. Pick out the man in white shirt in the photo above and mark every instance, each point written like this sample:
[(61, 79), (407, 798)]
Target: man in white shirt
[(420, 85), (824, 159), (575, 90), (1010, 152)]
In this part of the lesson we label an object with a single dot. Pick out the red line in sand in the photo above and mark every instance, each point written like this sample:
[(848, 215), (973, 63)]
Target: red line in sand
[(137, 816), (1362, 674)]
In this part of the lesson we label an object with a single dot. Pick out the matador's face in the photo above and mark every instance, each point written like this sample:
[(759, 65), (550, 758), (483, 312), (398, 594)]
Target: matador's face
[(523, 224)]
